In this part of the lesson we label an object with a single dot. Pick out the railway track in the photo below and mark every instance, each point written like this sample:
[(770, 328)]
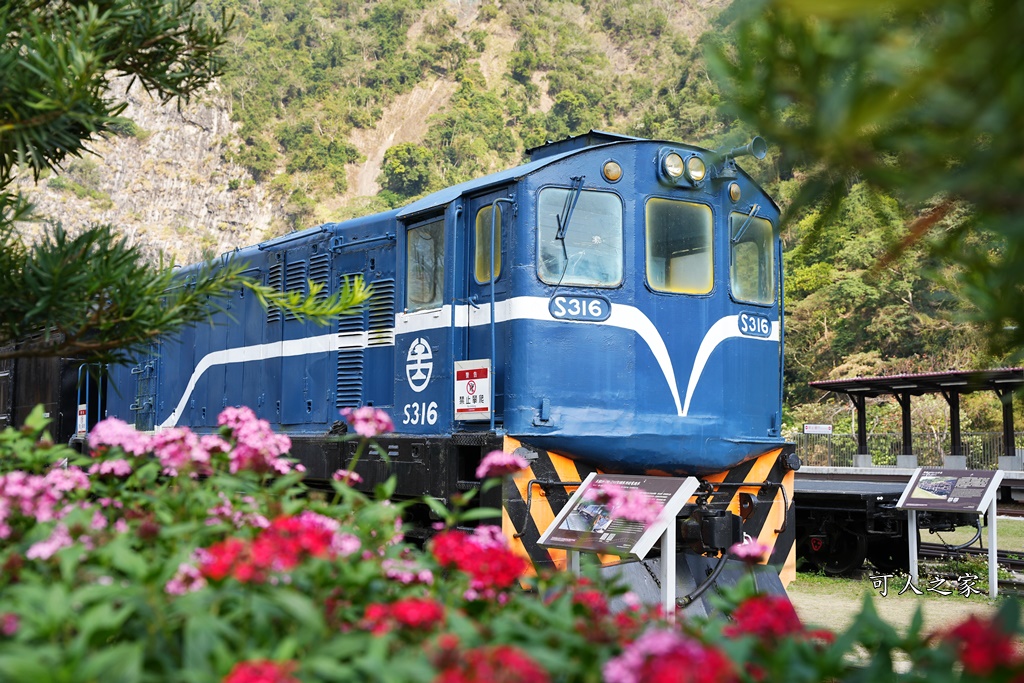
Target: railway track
[(1012, 560)]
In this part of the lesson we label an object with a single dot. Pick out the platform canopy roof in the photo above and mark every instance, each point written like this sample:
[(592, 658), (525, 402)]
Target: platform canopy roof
[(951, 384), (959, 381)]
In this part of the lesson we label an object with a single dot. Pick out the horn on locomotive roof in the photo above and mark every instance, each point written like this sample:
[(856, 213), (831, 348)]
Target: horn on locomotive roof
[(756, 148)]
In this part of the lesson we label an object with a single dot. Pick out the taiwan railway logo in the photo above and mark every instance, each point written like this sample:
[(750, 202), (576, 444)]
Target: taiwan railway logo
[(419, 365)]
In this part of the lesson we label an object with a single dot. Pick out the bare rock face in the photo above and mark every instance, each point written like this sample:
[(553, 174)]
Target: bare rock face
[(164, 183)]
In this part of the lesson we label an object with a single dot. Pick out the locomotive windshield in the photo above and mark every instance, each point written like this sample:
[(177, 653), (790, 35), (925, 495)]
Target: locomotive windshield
[(679, 253), (752, 259), (591, 253)]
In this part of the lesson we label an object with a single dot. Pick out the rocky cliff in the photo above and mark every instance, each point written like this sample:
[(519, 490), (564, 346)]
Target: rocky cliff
[(163, 181)]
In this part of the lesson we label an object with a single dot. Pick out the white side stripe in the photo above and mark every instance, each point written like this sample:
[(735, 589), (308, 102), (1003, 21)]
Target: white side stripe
[(724, 328), (536, 308), (281, 349), (518, 308)]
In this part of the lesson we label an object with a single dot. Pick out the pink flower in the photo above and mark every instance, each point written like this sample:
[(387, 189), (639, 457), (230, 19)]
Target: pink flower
[(347, 477), (668, 656), (750, 551), (406, 572), (226, 513), (116, 433), (99, 522), (9, 624), (499, 463), (187, 579), (180, 451), (257, 447), (623, 503), (117, 468), (368, 421), (44, 550)]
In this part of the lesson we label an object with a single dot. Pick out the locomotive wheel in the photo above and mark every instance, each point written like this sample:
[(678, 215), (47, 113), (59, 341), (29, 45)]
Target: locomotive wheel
[(837, 553)]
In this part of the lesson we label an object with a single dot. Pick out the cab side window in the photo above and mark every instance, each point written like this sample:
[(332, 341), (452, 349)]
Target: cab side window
[(752, 259), (482, 258), (425, 266)]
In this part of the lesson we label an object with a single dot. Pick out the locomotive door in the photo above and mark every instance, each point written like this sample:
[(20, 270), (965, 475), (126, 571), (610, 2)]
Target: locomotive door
[(486, 224)]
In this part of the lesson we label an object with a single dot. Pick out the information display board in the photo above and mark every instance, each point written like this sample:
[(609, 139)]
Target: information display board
[(935, 488), (587, 526)]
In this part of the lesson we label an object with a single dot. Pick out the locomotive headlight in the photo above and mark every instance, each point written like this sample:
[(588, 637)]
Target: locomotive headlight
[(695, 169), (673, 165), (734, 191)]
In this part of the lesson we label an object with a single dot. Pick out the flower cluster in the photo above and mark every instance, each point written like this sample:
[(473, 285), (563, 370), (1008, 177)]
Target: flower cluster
[(985, 648), (495, 664), (187, 579), (491, 567), (626, 503), (669, 656), (180, 451), (257, 447), (418, 614), (407, 572), (767, 617), (114, 433), (368, 421), (262, 671), (37, 496), (770, 618), (228, 514), (500, 463), (282, 546), (347, 477)]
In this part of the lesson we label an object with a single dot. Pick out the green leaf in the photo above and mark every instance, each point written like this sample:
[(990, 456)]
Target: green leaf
[(478, 513), (118, 664)]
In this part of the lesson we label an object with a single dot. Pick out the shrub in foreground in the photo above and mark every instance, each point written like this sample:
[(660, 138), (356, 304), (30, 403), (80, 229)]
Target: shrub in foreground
[(177, 557)]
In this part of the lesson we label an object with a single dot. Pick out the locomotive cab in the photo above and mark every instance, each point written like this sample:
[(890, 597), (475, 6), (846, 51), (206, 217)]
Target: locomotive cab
[(636, 292)]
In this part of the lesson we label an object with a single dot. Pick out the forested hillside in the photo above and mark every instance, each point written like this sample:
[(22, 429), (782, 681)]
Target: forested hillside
[(343, 107)]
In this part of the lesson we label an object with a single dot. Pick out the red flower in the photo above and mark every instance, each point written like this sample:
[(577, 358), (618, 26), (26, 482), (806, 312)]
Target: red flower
[(983, 646), (768, 617), (221, 558), (663, 656), (489, 567), (262, 671), (497, 664), (413, 613), (418, 613), (593, 602), (680, 667), (281, 547)]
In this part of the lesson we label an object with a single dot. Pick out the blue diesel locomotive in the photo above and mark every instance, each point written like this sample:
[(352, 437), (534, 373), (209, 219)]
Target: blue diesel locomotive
[(614, 304)]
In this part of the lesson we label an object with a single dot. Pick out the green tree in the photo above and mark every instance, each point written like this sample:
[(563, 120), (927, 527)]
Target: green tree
[(93, 293), (918, 99), (407, 169)]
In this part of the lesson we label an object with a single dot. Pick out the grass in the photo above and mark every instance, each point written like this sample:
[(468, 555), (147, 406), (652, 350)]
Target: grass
[(1009, 535)]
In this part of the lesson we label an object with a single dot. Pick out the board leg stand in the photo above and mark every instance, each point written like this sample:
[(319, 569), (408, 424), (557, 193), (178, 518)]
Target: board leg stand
[(993, 563), (574, 562), (668, 572), (912, 536)]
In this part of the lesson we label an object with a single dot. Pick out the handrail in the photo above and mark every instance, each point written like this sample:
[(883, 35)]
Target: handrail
[(494, 382)]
